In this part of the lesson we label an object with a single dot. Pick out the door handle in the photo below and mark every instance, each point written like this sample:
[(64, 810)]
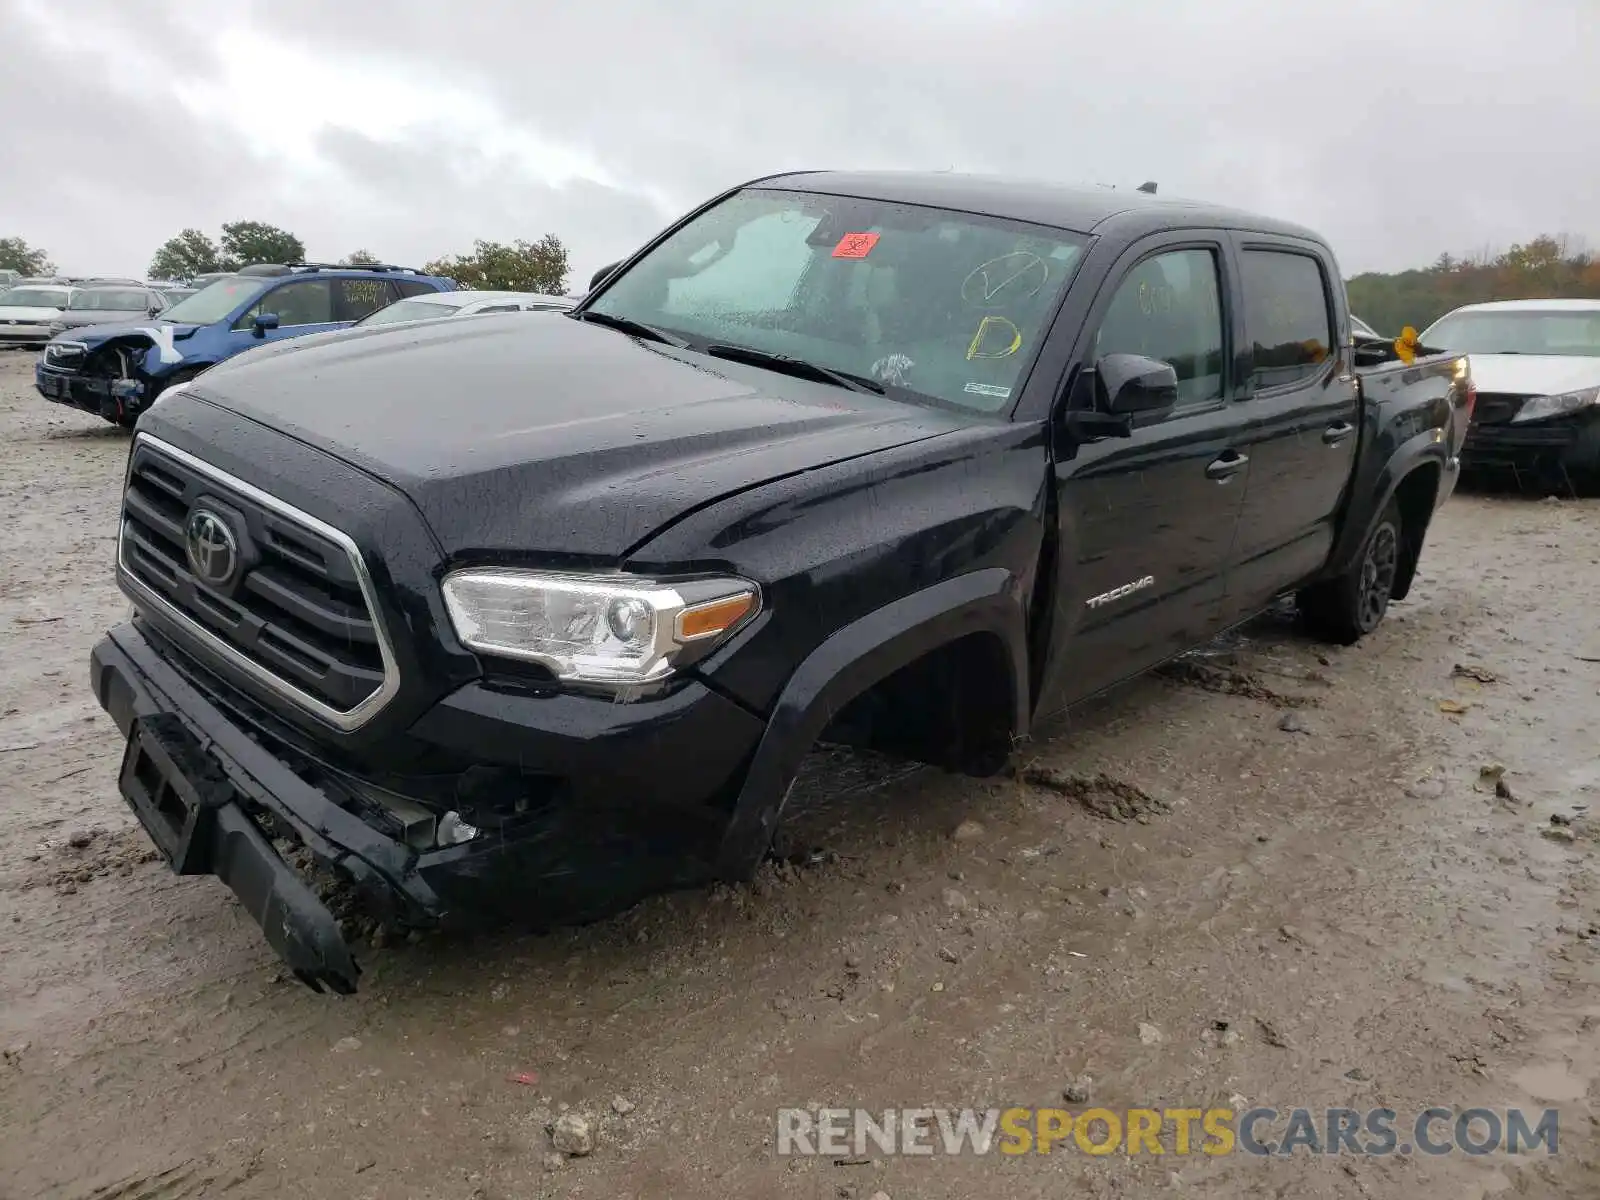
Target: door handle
[(1334, 434), (1225, 468)]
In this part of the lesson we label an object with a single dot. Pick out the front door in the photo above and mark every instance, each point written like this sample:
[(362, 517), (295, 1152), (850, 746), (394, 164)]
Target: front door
[(1301, 422), (1146, 523), (304, 305)]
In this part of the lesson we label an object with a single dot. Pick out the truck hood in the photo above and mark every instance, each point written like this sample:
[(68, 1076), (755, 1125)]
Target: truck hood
[(1533, 374), (551, 437)]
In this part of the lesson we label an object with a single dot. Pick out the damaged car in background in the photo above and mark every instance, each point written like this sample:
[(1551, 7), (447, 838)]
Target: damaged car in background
[(117, 370), (1537, 365)]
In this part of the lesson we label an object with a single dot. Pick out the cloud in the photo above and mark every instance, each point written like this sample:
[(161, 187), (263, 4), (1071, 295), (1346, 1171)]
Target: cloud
[(434, 192), (411, 127)]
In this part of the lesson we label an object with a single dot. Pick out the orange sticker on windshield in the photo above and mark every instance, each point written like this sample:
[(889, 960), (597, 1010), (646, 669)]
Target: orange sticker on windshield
[(855, 245)]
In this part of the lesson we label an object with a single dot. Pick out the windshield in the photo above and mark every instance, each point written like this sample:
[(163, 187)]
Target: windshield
[(941, 306), (110, 300), (407, 310), (1511, 331), (214, 302), (34, 297)]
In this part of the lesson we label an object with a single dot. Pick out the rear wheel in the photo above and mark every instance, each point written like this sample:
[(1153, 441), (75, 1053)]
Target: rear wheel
[(1347, 608)]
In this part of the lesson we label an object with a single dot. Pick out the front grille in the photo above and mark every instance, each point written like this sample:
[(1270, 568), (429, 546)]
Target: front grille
[(66, 356), (1507, 438), (1496, 408), (297, 612)]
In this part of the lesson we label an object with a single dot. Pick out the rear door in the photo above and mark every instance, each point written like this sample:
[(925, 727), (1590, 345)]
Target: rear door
[(1301, 417), (355, 298), (1147, 522)]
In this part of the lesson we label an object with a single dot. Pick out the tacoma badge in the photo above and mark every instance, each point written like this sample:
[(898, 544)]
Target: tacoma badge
[(1117, 593)]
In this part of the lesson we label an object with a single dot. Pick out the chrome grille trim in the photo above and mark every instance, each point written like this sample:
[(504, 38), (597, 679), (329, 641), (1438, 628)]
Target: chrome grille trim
[(345, 720)]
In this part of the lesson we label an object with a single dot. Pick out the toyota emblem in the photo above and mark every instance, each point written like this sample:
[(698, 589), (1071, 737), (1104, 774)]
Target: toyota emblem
[(211, 547)]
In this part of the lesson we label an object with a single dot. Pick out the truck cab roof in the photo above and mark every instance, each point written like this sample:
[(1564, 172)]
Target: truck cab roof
[(1065, 206)]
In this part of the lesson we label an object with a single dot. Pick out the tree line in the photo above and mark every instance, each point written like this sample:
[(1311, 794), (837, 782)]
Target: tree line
[(519, 266), (1550, 266)]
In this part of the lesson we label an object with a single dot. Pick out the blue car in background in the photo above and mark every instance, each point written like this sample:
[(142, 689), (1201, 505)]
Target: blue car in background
[(116, 371)]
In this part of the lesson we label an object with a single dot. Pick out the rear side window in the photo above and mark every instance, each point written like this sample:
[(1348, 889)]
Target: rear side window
[(355, 298), (412, 287), (1286, 316)]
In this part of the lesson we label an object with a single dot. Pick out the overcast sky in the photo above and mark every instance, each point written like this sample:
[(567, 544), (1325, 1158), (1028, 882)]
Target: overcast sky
[(410, 127)]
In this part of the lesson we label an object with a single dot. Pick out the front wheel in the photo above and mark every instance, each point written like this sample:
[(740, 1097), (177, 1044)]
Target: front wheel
[(1347, 608), (128, 419)]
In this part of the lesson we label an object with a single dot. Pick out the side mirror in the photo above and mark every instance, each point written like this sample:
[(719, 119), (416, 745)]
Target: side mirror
[(1130, 385), (155, 310), (263, 323), (603, 274)]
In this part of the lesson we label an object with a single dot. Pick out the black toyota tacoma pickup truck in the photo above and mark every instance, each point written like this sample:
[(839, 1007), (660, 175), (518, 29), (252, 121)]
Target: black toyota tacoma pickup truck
[(903, 461)]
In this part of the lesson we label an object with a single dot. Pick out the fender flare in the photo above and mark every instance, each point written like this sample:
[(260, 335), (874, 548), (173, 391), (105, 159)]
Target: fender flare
[(849, 662), (1417, 451)]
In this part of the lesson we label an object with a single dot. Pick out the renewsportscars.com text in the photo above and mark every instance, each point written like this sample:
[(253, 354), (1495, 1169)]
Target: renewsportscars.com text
[(1377, 1132)]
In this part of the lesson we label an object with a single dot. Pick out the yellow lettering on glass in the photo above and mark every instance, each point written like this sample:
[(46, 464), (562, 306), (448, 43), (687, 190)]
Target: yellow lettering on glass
[(996, 338)]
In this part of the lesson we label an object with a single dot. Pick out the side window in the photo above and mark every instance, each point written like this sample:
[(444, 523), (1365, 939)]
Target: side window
[(411, 287), (1168, 307), (303, 302), (355, 298), (1286, 315), (498, 308)]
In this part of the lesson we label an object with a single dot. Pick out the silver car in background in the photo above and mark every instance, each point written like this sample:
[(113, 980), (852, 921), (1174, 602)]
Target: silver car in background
[(104, 304), (27, 311), (462, 304)]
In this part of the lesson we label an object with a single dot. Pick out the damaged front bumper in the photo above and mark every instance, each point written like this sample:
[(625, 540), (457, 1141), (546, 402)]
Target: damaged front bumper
[(102, 395), (1557, 448), (197, 783), (635, 812)]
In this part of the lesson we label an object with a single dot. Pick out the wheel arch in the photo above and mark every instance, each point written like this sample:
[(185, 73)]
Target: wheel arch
[(1416, 496), (1421, 461), (975, 621)]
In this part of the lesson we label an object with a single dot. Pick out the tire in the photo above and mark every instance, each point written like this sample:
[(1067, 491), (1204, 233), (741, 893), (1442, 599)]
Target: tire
[(128, 420), (1345, 609)]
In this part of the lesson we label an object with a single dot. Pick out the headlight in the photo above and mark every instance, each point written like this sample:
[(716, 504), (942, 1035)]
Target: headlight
[(596, 628), (1540, 407)]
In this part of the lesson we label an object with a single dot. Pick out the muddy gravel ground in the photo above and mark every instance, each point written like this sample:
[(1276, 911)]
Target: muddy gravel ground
[(1311, 846)]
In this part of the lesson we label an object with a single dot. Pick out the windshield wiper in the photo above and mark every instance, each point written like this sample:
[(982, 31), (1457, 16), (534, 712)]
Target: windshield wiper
[(797, 366), (629, 326)]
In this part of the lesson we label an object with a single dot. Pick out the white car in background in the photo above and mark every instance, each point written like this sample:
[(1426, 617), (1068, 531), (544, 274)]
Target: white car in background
[(27, 311), (1537, 367), (462, 304)]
